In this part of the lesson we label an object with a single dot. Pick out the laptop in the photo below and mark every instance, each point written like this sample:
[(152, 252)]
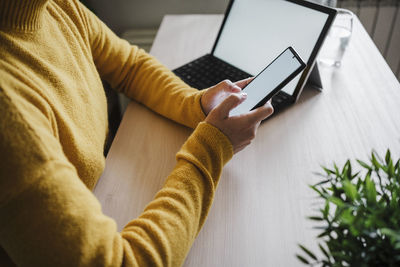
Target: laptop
[(252, 34)]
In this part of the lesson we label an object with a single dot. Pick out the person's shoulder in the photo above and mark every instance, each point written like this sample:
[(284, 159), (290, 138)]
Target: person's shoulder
[(23, 103), (69, 6), (10, 93), (18, 135), (73, 9), (66, 3), (14, 80), (12, 121), (8, 80)]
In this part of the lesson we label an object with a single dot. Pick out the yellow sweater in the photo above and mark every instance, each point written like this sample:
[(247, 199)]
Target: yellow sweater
[(53, 124)]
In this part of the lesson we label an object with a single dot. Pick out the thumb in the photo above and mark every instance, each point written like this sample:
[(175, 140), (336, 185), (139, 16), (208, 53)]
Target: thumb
[(229, 103)]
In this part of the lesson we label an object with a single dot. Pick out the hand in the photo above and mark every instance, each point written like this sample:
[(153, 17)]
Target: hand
[(216, 94), (239, 129)]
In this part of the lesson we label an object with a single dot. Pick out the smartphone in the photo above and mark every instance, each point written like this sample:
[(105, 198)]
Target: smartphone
[(270, 80)]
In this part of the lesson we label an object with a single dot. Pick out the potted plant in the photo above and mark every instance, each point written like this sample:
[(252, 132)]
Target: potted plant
[(360, 219)]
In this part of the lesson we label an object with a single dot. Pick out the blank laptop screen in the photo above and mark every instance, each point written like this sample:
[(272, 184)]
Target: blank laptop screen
[(256, 31)]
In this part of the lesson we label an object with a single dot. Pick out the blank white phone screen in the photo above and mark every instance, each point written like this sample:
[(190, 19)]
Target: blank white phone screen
[(280, 69), (258, 30)]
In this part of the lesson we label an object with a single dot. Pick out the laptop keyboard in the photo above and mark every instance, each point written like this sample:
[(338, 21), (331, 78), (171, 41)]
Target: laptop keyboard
[(207, 71)]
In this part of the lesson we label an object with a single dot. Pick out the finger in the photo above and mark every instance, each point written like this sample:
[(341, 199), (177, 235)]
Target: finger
[(260, 113), (243, 83), (229, 87), (229, 103), (219, 86)]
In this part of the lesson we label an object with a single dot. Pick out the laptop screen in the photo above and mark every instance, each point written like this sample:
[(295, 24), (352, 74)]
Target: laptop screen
[(256, 31)]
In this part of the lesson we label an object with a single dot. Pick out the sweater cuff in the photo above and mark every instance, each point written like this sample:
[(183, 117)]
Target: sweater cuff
[(208, 149), (197, 109)]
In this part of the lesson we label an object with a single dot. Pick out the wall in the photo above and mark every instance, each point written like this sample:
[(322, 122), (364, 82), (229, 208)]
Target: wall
[(120, 15), (381, 19)]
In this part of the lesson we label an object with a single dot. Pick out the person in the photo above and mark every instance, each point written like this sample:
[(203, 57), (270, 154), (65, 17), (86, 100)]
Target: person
[(53, 124)]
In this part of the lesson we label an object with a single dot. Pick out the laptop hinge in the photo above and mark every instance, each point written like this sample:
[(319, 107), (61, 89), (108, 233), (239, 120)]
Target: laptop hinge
[(314, 80)]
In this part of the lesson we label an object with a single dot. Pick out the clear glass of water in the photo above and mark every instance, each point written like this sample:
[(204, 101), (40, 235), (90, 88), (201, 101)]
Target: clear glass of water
[(331, 3), (338, 39)]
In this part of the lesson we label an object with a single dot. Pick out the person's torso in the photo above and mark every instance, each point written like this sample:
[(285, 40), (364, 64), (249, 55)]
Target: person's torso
[(52, 68)]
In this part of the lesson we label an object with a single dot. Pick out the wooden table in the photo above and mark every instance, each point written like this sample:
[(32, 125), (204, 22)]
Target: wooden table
[(258, 215)]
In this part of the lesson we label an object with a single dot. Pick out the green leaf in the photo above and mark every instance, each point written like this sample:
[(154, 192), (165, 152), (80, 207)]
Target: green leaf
[(313, 187), (375, 162), (337, 201), (390, 169), (394, 203), (350, 190), (315, 218), (337, 172), (347, 217), (328, 171), (325, 211), (320, 227), (325, 252), (308, 252), (323, 182), (354, 230), (397, 171), (363, 164), (346, 171), (370, 190), (355, 175), (391, 233), (302, 259), (324, 233), (387, 157)]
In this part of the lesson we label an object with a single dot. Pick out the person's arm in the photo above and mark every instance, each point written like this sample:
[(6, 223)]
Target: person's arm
[(140, 76), (48, 217)]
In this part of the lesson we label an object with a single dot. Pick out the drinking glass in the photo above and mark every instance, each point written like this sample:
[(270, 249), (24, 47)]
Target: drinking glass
[(338, 39), (331, 3)]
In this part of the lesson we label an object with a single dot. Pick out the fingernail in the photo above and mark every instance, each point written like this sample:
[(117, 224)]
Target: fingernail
[(244, 94)]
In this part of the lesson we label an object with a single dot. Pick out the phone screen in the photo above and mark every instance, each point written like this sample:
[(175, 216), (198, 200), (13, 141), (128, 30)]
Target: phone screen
[(270, 80)]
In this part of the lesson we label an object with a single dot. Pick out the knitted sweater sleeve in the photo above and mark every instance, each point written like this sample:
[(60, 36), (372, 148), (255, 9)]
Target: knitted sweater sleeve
[(48, 217), (140, 76)]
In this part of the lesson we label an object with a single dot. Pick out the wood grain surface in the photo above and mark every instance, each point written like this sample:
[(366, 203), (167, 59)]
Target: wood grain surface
[(260, 207)]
